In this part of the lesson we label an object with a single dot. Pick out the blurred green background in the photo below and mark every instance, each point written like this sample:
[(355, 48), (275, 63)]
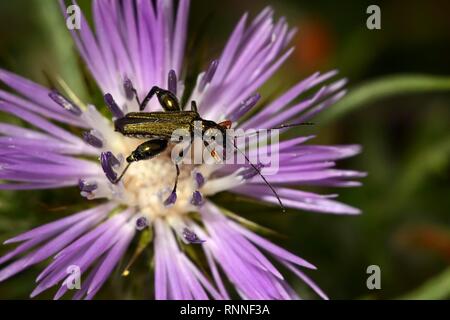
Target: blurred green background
[(398, 109)]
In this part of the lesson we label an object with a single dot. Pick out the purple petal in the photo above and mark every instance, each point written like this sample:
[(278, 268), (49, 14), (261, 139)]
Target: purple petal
[(229, 51), (111, 260), (307, 280), (63, 116), (41, 123), (179, 38), (61, 224), (33, 91), (297, 199)]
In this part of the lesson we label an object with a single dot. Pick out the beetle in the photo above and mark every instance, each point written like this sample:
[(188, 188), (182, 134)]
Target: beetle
[(158, 127)]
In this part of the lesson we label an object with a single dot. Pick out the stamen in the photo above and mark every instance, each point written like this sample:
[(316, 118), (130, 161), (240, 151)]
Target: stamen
[(171, 199), (209, 74), (92, 140), (250, 172), (199, 180), (86, 186), (113, 107), (108, 161), (245, 106), (64, 102), (172, 82), (114, 161), (141, 223), (191, 237), (197, 198), (129, 89)]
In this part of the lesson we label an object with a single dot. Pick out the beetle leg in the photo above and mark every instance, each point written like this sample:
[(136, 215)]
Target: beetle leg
[(122, 174), (194, 106), (136, 96), (212, 151), (147, 98), (169, 101), (181, 154), (145, 151), (176, 179), (172, 198), (128, 85)]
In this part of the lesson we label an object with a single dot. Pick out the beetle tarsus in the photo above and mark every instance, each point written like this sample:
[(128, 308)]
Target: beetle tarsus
[(194, 106), (176, 178), (122, 174)]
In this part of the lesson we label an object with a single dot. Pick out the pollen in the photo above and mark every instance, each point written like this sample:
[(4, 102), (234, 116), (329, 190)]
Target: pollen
[(148, 183)]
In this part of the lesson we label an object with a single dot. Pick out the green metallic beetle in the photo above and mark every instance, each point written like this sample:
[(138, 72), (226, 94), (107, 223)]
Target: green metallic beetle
[(159, 127)]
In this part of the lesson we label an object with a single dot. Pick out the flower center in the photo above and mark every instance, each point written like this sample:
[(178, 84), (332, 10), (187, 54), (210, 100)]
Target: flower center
[(149, 183)]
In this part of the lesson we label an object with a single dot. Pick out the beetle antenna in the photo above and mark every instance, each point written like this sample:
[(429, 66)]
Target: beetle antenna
[(264, 178), (123, 173), (288, 125)]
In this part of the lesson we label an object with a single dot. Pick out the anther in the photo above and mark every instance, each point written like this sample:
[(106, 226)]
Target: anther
[(171, 199), (172, 82), (250, 172), (197, 198), (191, 237), (64, 102), (86, 186), (245, 106), (108, 161), (141, 223), (129, 89), (199, 180), (209, 74), (113, 107), (92, 140)]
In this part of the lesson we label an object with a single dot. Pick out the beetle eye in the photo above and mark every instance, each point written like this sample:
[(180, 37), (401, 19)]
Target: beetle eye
[(226, 124)]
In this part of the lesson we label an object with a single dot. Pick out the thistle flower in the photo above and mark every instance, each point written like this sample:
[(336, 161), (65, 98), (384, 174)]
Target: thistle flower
[(137, 45)]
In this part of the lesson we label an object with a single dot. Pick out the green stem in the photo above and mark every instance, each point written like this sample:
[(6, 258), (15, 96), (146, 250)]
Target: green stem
[(382, 88)]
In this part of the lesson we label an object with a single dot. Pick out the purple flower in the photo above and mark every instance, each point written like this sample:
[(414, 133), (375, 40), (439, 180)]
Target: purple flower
[(137, 45)]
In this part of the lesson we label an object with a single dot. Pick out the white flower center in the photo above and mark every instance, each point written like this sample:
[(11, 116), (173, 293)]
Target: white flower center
[(149, 182)]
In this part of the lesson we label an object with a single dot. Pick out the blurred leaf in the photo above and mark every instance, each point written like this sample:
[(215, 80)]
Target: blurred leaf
[(382, 88), (145, 239), (436, 288), (250, 224), (432, 159), (51, 18)]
